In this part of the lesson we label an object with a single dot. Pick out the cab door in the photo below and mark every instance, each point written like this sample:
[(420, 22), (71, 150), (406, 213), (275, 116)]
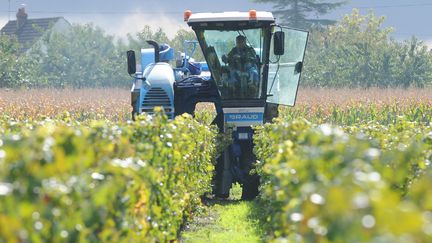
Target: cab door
[(285, 70)]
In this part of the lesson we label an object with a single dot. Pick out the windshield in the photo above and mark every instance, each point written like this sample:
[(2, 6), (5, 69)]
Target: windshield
[(234, 58)]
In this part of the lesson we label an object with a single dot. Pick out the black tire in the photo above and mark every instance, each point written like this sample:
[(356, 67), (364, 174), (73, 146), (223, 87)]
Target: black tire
[(217, 178), (251, 181), (250, 187), (134, 115)]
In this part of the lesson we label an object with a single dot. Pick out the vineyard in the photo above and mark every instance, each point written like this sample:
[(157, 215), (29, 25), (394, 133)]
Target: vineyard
[(346, 170), (101, 181), (364, 182)]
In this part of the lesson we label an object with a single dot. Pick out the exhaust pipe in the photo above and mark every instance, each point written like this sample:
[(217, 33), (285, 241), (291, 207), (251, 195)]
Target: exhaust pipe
[(156, 49)]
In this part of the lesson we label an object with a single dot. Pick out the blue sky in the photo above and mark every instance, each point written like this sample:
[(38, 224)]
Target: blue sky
[(408, 17)]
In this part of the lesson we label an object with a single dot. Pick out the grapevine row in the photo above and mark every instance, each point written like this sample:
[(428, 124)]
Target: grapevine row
[(362, 183), (101, 181)]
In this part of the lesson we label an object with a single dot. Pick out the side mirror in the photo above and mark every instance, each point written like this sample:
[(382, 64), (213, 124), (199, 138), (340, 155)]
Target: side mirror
[(279, 43), (131, 60)]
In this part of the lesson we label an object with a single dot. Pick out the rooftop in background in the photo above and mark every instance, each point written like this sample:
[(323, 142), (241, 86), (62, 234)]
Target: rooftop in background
[(29, 31)]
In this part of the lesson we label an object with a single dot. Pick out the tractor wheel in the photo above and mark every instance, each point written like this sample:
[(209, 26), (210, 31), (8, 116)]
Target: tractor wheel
[(250, 187), (134, 114), (251, 181), (217, 180)]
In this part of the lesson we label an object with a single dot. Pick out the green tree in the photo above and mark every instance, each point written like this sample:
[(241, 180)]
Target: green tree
[(297, 13), (358, 52), (83, 57), (10, 75), (413, 63)]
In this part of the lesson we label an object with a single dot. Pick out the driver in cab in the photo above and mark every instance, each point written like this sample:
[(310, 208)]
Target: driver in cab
[(242, 59)]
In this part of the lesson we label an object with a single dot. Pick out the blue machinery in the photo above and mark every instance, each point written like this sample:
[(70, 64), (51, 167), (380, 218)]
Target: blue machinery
[(240, 100), (154, 83)]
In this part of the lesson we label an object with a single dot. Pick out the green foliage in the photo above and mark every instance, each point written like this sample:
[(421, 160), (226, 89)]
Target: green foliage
[(367, 183), (360, 114), (358, 52), (11, 71), (82, 57), (62, 181), (295, 13)]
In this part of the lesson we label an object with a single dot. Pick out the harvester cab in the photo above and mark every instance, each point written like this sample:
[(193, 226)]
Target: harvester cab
[(254, 66)]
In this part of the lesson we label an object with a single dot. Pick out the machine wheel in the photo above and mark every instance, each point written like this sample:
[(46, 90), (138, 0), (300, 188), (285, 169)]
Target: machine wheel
[(218, 180), (250, 187), (251, 181)]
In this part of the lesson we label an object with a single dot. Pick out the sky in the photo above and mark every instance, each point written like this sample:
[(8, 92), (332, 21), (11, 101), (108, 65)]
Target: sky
[(408, 17)]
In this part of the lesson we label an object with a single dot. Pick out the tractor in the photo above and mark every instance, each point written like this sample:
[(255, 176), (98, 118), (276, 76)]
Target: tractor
[(245, 90)]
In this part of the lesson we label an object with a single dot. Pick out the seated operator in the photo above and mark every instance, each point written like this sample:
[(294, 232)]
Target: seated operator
[(242, 59)]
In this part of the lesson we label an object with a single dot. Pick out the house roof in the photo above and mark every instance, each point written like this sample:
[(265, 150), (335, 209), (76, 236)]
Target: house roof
[(30, 32)]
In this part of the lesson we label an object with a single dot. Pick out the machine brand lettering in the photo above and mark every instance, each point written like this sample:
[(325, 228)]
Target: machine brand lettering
[(244, 117)]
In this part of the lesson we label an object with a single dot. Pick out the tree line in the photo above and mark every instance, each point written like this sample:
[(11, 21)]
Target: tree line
[(354, 52), (359, 52), (83, 57)]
